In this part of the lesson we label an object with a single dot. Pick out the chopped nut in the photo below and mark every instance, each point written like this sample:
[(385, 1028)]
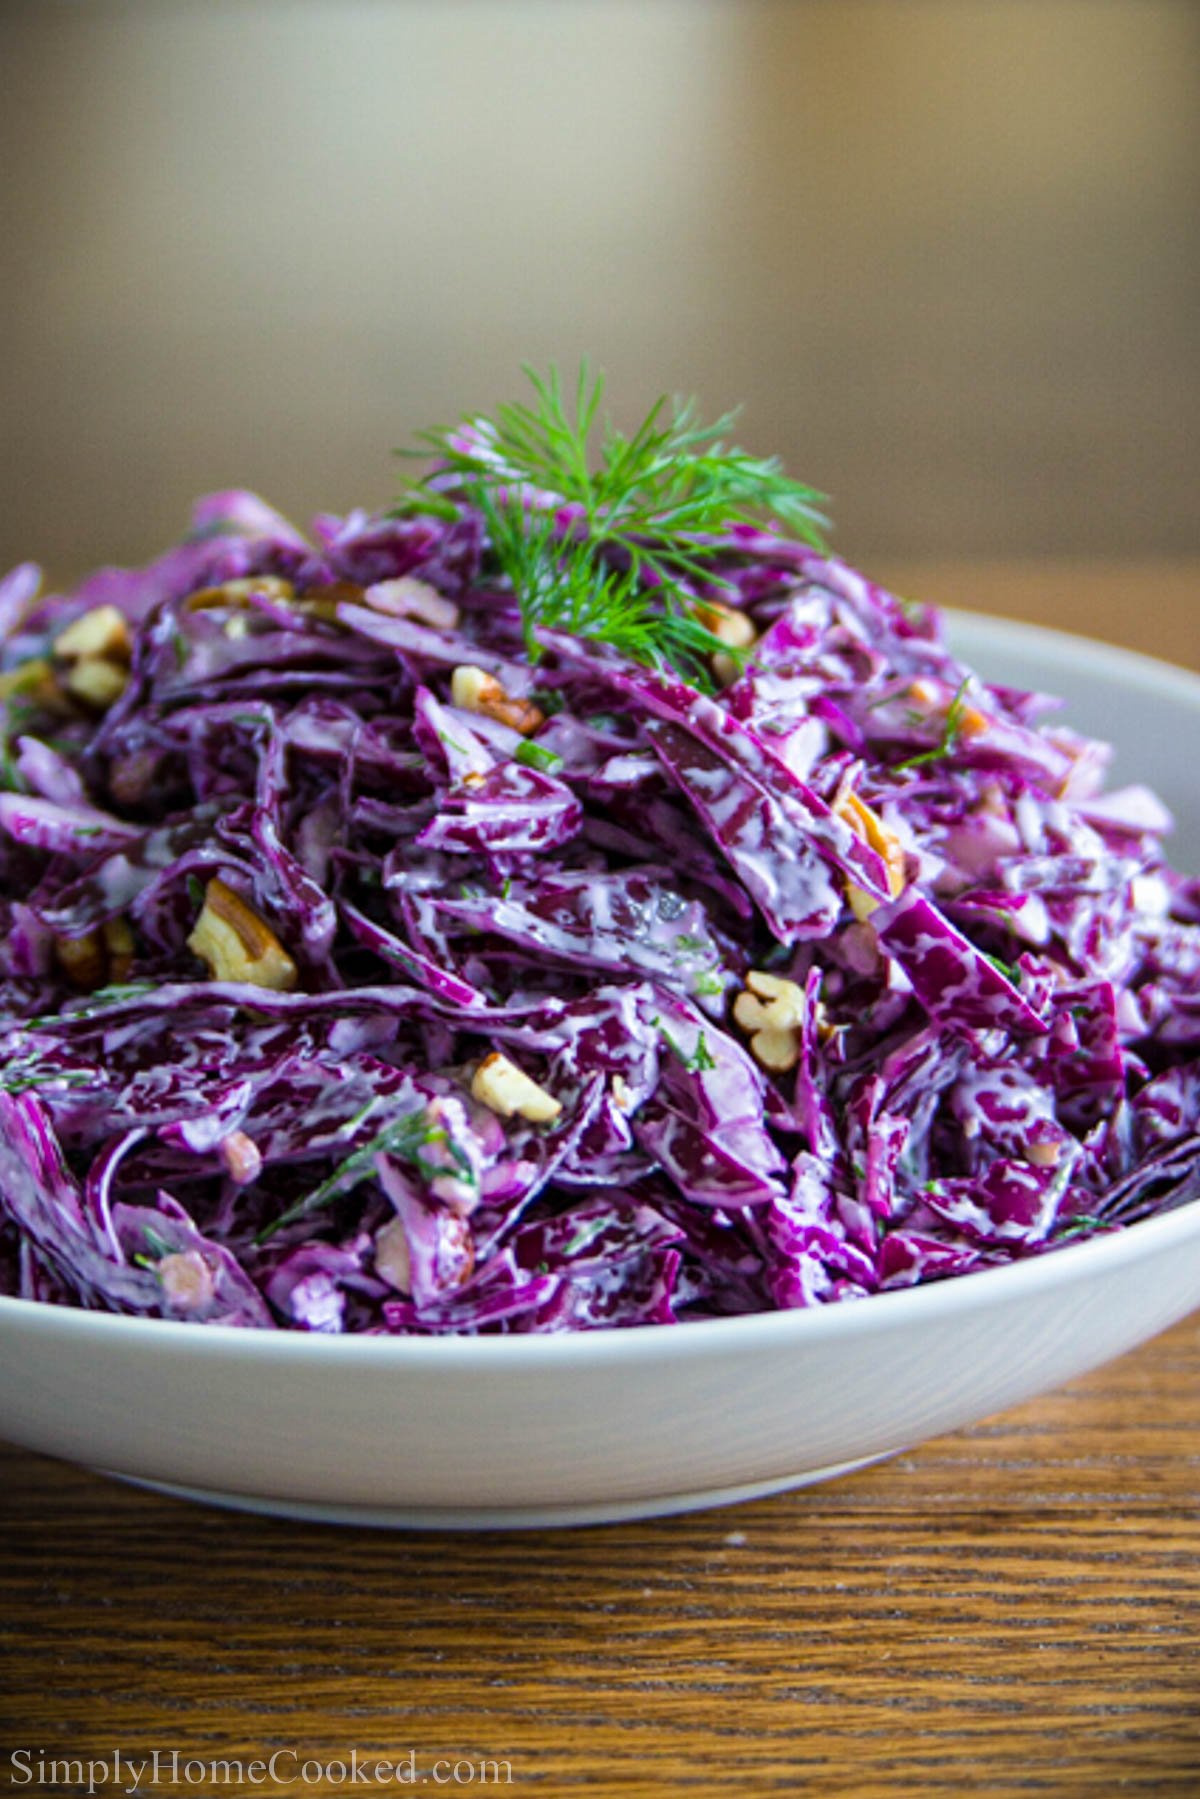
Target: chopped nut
[(82, 960), (776, 1051), (871, 830), (771, 1011), (242, 1158), (726, 622), (323, 602), (101, 632), (476, 691), (730, 626), (507, 1090), (98, 957), (97, 682), (622, 1093), (472, 687), (120, 947), (322, 606), (519, 715), (237, 945), (186, 1280), (749, 1013), (861, 903), (1043, 1155), (239, 593), (409, 598), (787, 1004), (393, 1263)]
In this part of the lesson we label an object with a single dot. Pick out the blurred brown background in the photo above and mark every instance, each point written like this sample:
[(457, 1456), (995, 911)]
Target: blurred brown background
[(945, 250)]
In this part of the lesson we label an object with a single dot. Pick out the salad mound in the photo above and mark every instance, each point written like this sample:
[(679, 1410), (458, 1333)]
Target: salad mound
[(569, 899)]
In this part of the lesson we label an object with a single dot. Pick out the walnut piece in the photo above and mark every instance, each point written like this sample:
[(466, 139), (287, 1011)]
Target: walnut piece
[(237, 945), (186, 1279), (82, 960), (242, 1158), (474, 690), (119, 948), (99, 957), (239, 593), (726, 622), (730, 626), (871, 830), (776, 1051), (771, 1011), (508, 1091), (102, 632), (96, 681), (97, 646), (407, 597)]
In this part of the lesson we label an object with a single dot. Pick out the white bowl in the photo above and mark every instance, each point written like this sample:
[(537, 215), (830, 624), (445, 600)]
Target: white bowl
[(469, 1432)]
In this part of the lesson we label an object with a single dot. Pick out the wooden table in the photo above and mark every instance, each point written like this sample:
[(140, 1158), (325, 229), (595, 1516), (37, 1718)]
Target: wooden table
[(1011, 1610)]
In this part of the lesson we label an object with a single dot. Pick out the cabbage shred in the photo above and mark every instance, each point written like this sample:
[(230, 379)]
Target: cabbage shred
[(974, 1018)]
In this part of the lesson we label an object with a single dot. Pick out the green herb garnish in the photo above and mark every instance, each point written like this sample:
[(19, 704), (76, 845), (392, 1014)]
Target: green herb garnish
[(701, 1058), (104, 999), (950, 733), (562, 583), (1081, 1225), (405, 1138), (629, 553), (27, 1074), (538, 755), (158, 1246), (424, 500)]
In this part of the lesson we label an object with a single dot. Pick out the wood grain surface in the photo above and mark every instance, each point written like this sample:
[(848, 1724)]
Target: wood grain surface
[(1011, 1610)]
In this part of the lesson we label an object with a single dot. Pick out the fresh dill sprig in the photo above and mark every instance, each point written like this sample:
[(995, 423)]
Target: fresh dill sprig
[(561, 584), (950, 732), (673, 477), (608, 536)]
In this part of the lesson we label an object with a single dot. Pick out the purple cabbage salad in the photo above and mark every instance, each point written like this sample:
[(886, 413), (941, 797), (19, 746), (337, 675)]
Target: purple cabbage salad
[(569, 899)]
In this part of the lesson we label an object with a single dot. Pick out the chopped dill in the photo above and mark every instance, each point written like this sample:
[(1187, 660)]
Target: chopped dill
[(701, 1058), (950, 733), (405, 1138)]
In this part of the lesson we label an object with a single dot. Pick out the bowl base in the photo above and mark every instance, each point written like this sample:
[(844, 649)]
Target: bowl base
[(535, 1517)]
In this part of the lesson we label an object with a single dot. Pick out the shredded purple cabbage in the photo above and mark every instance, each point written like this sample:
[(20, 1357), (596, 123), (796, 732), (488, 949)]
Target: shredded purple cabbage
[(979, 1035)]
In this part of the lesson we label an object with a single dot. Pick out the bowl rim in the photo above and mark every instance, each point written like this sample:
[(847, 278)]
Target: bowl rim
[(1067, 1265), (1132, 668)]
